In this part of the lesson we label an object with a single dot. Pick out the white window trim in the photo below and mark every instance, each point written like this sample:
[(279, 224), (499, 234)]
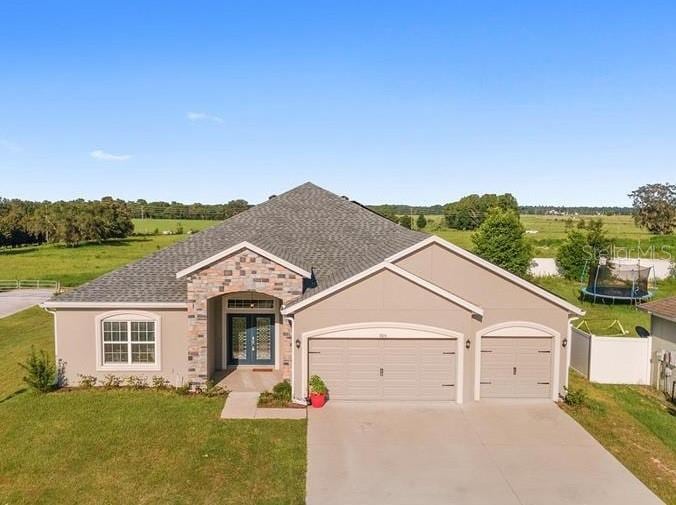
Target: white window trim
[(128, 315)]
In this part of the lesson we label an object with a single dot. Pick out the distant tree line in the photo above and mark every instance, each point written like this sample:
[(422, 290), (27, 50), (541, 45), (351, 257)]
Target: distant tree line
[(175, 210), (400, 209), (24, 222), (471, 211)]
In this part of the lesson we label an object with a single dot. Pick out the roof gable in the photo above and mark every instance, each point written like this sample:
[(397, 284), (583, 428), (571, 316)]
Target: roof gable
[(236, 248), (487, 265)]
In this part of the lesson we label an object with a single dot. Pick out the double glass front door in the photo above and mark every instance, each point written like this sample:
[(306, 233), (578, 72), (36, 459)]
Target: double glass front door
[(251, 339)]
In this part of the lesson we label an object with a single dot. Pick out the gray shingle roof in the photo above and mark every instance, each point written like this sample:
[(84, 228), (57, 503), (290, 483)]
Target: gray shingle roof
[(307, 226)]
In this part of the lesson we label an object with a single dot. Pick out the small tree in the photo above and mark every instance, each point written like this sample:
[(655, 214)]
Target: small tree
[(655, 207), (501, 239), (40, 371), (582, 245), (406, 221), (597, 240), (573, 255), (421, 222)]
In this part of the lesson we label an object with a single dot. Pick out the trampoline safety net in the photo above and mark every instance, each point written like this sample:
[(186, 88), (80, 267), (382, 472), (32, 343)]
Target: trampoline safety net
[(614, 280)]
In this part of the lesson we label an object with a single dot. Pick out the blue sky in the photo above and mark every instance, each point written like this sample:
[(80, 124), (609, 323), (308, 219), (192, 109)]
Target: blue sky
[(406, 102)]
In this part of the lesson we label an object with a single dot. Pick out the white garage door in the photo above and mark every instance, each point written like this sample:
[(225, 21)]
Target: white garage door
[(516, 367), (380, 369)]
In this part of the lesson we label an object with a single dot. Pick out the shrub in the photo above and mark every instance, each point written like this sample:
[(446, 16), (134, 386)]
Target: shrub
[(211, 389), (159, 382), (280, 396), (421, 222), (184, 389), (136, 382), (317, 385), (111, 381), (406, 222), (575, 397), (87, 381), (40, 371), (282, 390), (179, 229)]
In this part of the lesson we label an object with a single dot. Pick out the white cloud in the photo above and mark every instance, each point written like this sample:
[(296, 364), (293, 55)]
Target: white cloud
[(8, 145), (203, 116), (100, 154)]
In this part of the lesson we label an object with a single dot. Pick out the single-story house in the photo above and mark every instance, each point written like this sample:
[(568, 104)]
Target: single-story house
[(309, 282), (663, 333)]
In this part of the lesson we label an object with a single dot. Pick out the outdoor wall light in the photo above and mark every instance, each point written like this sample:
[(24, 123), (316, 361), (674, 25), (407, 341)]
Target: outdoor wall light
[(468, 344), (297, 343), (564, 342)]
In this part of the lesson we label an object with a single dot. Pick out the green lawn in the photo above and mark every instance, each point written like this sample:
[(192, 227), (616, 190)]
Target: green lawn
[(75, 265), (598, 315), (637, 425), (123, 446)]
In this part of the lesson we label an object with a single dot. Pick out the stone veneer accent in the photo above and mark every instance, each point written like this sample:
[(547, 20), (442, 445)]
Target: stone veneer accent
[(243, 271)]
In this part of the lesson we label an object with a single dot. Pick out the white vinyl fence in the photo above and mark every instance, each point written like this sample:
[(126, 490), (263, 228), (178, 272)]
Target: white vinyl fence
[(611, 360), (10, 285)]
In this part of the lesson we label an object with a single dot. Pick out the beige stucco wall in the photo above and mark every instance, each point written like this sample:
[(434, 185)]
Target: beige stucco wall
[(386, 296), (663, 334), (76, 344)]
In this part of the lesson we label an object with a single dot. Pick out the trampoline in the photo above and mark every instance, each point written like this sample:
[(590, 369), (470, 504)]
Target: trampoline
[(612, 281)]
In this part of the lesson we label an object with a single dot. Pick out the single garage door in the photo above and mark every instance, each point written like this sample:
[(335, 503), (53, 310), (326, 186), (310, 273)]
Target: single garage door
[(381, 369), (516, 367)]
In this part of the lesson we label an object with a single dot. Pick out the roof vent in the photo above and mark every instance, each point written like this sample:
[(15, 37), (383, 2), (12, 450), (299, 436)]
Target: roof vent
[(271, 197), (345, 197)]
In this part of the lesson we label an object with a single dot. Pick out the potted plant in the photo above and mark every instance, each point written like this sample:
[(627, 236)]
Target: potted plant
[(318, 391)]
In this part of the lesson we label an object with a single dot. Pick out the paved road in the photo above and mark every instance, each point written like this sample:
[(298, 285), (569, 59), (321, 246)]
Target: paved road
[(547, 266), (17, 300), (499, 452)]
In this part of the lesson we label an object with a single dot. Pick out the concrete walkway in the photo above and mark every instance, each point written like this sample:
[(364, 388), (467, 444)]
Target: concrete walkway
[(488, 452), (17, 300), (244, 405)]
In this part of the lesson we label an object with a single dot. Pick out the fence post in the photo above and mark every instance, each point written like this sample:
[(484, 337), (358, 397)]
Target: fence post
[(589, 357)]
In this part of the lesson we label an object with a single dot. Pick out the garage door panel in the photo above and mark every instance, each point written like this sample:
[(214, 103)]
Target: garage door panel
[(516, 367), (412, 369)]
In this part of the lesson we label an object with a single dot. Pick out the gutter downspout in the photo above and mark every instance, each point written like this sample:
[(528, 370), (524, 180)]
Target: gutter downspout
[(569, 347), (291, 322), (56, 340)]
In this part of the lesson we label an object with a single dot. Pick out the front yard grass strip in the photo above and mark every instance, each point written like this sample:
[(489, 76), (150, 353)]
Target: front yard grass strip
[(637, 425)]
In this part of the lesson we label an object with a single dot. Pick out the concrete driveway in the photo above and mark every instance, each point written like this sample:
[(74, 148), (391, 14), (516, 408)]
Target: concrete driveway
[(488, 452), (17, 300)]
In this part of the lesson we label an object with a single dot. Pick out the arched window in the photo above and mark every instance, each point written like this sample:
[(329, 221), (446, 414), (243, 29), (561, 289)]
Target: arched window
[(128, 341)]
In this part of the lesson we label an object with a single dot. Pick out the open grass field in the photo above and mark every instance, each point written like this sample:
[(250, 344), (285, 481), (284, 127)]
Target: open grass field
[(147, 226), (547, 233), (73, 266), (124, 446), (637, 425)]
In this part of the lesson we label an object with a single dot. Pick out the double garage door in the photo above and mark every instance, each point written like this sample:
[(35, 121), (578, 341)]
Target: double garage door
[(382, 369)]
